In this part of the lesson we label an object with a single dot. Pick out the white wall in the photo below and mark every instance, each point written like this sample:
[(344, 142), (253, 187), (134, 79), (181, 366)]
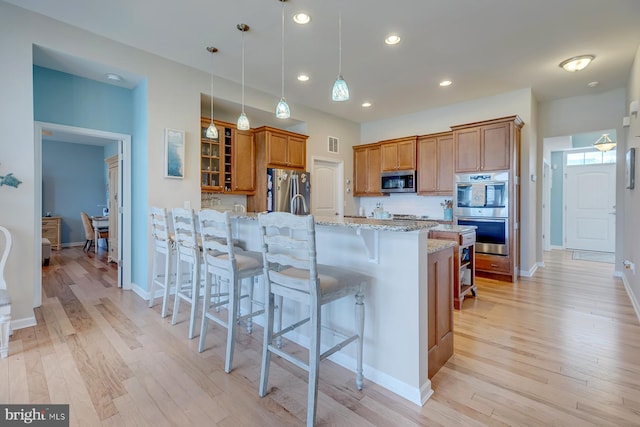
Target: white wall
[(173, 92), (569, 116), (631, 198)]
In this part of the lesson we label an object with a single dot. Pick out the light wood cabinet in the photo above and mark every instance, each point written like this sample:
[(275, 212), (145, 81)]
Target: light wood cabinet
[(366, 170), (282, 149), (227, 163), (440, 308), (114, 194), (274, 148), (464, 262), (486, 146), (51, 230), (398, 154), (435, 164)]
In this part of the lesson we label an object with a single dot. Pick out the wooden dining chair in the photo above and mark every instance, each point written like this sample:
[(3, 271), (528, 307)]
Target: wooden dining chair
[(291, 271), (224, 262), (89, 232)]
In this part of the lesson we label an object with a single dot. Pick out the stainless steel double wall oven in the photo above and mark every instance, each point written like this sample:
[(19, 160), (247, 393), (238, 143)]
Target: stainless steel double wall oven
[(482, 200)]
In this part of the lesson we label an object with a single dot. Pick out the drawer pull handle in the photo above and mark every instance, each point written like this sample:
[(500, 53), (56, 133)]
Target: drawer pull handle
[(494, 265)]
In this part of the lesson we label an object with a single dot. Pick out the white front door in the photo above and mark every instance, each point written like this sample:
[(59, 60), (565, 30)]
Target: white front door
[(326, 188), (590, 200)]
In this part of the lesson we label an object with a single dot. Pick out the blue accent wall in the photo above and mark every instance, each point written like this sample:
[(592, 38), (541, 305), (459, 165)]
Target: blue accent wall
[(66, 99), (556, 211), (139, 188), (73, 180)]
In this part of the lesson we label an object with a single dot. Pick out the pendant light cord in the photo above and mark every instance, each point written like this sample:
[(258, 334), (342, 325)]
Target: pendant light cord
[(340, 43), (282, 49), (243, 71), (212, 96)]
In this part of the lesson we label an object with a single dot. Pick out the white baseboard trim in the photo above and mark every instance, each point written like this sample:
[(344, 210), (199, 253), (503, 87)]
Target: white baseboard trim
[(530, 272), (557, 248), (632, 297), (26, 322)]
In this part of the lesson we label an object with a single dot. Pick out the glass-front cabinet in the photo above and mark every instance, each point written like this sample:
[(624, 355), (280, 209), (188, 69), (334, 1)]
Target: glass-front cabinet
[(227, 163), (210, 161)]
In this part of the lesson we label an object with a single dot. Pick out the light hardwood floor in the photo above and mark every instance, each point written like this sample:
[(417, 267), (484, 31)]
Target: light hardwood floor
[(562, 348)]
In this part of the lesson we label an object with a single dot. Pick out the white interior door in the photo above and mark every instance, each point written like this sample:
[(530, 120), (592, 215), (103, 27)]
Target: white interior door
[(326, 188), (590, 200)]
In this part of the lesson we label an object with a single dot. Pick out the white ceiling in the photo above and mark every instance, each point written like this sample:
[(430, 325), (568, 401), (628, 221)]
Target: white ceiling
[(485, 47)]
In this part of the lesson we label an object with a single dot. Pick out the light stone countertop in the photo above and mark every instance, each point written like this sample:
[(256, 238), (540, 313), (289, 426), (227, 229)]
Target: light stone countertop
[(362, 223), (454, 228), (436, 245)]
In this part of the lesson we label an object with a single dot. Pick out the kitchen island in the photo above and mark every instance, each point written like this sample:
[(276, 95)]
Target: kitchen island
[(394, 255)]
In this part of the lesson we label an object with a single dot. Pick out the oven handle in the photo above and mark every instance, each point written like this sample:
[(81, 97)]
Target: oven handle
[(483, 219)]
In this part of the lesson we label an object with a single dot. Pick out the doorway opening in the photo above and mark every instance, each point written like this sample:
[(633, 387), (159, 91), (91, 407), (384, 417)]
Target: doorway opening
[(63, 133)]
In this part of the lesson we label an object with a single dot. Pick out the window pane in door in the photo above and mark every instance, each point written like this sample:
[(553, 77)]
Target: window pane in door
[(574, 159)]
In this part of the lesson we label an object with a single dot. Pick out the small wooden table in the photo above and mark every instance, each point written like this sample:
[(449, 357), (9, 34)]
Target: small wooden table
[(100, 223)]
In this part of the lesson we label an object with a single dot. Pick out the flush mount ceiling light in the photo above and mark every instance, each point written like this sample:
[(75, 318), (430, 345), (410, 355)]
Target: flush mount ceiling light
[(303, 78), (445, 83), (577, 63), (243, 120), (301, 18), (340, 90), (392, 39), (212, 131), (604, 143), (114, 77), (282, 109), (593, 84), (366, 104)]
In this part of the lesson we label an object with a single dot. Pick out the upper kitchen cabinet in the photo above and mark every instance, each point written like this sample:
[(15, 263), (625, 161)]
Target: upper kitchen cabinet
[(487, 146), (282, 149), (275, 148), (435, 164), (398, 154), (227, 163), (366, 170)]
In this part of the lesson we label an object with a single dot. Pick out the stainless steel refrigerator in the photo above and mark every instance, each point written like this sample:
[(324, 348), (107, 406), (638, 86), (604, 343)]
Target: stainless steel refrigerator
[(288, 191)]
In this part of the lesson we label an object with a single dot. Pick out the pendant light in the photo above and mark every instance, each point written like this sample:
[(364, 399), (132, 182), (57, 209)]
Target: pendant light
[(282, 109), (212, 131), (604, 143), (340, 90), (243, 120)]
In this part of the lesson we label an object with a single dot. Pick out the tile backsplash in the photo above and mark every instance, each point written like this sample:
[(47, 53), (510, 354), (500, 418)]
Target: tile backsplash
[(411, 204)]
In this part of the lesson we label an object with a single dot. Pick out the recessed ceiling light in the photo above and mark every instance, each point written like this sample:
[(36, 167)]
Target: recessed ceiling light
[(303, 77), (593, 84), (445, 83), (366, 104), (392, 39), (114, 77), (577, 63), (301, 18)]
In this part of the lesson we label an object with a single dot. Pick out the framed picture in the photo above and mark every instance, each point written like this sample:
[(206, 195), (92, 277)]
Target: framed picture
[(173, 153), (630, 170)]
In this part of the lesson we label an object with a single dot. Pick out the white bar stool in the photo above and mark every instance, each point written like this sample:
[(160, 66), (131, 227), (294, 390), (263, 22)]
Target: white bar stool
[(162, 249), (225, 262), (291, 271), (189, 256)]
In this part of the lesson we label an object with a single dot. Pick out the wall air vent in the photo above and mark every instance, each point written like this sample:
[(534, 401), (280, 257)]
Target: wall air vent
[(332, 146)]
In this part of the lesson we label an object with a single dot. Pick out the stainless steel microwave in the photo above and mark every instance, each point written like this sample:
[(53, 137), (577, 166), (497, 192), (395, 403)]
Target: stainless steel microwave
[(403, 181)]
